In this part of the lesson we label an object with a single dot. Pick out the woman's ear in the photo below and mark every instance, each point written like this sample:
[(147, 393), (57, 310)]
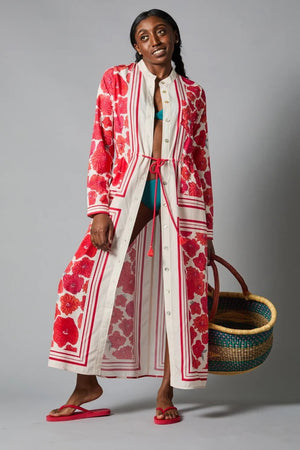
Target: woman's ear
[(137, 49)]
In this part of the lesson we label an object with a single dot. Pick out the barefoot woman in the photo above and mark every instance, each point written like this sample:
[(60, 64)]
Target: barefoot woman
[(132, 302)]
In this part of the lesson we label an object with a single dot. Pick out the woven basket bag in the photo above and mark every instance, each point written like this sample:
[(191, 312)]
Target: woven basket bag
[(240, 327)]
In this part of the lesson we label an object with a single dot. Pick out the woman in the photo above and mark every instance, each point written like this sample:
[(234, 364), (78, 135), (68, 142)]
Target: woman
[(133, 302)]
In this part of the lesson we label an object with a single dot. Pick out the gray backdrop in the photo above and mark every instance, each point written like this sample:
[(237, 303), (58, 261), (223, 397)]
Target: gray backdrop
[(53, 53)]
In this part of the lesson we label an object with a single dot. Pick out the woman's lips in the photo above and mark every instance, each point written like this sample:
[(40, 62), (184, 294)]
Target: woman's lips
[(159, 51)]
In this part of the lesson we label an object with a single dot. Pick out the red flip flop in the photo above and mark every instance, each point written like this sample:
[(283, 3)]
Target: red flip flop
[(166, 421), (81, 414)]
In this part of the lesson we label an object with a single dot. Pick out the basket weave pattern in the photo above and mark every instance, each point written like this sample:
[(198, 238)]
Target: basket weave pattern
[(240, 330)]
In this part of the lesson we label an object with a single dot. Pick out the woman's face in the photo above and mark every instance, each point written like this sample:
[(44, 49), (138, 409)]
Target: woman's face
[(155, 40)]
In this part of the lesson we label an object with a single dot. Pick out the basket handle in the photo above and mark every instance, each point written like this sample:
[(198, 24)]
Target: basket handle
[(216, 290)]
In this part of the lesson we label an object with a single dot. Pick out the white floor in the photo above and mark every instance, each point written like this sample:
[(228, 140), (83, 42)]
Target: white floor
[(204, 426)]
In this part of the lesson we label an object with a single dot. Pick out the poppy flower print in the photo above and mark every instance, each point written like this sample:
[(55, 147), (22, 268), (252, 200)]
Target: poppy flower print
[(65, 331)]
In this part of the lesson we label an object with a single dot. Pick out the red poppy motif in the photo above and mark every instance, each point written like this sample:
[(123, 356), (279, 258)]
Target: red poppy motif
[(201, 238), (127, 279), (120, 300), (124, 353), (204, 338), (195, 282), (97, 183), (195, 308), (117, 340), (126, 326), (198, 348), (195, 362), (200, 261), (92, 196), (69, 304), (117, 315), (83, 267), (201, 323), (104, 104), (193, 333), (120, 85), (65, 331), (191, 247), (130, 309), (101, 161), (73, 283)]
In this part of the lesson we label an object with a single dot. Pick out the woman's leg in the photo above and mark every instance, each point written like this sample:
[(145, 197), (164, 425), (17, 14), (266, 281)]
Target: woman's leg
[(87, 388), (165, 392)]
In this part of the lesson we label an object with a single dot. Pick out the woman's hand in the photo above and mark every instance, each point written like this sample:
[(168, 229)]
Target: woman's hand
[(210, 249), (102, 232)]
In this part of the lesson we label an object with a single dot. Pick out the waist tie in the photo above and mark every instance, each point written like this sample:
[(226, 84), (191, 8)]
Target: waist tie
[(155, 166)]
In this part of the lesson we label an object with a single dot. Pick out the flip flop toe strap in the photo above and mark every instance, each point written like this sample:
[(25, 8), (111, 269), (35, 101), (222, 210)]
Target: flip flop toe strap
[(74, 407)]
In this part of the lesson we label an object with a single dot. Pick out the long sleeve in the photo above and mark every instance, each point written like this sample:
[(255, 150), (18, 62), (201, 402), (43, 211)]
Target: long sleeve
[(202, 161), (102, 150)]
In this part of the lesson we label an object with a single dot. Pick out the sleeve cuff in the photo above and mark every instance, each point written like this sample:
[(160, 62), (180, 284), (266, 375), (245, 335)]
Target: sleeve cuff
[(97, 209)]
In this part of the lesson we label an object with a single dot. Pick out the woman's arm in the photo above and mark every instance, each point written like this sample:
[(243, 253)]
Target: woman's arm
[(102, 150)]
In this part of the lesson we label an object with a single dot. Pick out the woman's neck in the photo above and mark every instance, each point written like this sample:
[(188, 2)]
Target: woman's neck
[(159, 71)]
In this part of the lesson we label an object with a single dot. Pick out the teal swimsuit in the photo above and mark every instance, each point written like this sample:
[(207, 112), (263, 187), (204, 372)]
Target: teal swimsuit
[(148, 195)]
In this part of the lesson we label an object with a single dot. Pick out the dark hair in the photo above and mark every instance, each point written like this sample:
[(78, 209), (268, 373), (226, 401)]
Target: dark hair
[(176, 57)]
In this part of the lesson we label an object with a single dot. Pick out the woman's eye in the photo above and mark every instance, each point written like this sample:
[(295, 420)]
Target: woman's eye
[(162, 31), (144, 38)]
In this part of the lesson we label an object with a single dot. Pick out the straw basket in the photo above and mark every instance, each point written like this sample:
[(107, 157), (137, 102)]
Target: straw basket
[(240, 328)]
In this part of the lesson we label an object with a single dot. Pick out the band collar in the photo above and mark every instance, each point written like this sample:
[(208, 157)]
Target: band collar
[(151, 77)]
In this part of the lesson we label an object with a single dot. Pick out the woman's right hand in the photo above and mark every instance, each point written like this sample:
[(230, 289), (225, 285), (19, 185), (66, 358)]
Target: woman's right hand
[(102, 232)]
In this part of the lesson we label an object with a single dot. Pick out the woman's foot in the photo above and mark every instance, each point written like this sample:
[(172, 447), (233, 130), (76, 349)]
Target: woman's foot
[(87, 389), (164, 400)]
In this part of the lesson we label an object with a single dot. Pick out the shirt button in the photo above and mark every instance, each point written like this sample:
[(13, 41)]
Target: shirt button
[(164, 204), (164, 183), (166, 248), (166, 101), (168, 291), (164, 92), (165, 226), (166, 269), (168, 313), (168, 120), (166, 140)]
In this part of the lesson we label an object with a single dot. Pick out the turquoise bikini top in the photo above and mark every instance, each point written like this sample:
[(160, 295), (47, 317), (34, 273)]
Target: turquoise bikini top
[(159, 114)]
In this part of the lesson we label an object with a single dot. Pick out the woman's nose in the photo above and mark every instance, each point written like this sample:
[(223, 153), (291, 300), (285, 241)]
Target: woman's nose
[(155, 40)]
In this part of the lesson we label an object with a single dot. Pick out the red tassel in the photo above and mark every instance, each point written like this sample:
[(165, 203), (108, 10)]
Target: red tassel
[(150, 252)]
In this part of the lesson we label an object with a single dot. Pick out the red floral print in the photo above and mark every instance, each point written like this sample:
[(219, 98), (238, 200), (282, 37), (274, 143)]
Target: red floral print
[(126, 326), (195, 308), (198, 348), (200, 262), (83, 267), (124, 353), (65, 331), (117, 340), (121, 300), (69, 303), (193, 333), (117, 315), (127, 279), (191, 247), (130, 309), (201, 323), (73, 283), (79, 321), (195, 282)]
